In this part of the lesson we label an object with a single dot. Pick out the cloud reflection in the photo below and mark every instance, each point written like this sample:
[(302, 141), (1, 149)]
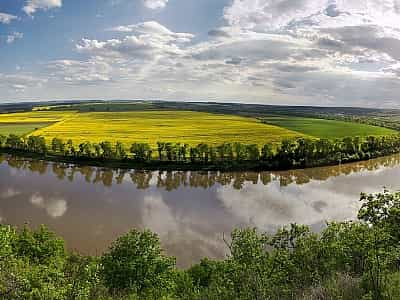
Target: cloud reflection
[(9, 193), (55, 207), (272, 206)]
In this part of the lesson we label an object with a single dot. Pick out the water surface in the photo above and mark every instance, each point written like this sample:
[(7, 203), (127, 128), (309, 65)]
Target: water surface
[(191, 211)]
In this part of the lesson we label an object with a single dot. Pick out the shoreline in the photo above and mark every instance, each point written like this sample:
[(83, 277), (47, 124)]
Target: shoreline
[(176, 166)]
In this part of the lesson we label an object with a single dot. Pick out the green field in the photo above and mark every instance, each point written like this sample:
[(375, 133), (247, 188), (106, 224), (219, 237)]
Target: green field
[(21, 129), (150, 127), (330, 129)]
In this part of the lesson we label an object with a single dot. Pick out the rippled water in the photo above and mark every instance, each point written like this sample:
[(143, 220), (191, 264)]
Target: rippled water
[(191, 211)]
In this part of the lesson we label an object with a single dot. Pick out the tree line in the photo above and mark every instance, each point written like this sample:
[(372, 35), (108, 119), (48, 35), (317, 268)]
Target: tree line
[(290, 153), (346, 260), (171, 180)]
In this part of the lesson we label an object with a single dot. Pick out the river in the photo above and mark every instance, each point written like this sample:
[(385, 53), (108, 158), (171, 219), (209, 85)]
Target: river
[(190, 211)]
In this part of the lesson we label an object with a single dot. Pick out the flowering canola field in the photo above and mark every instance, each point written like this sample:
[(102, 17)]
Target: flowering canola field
[(193, 128)]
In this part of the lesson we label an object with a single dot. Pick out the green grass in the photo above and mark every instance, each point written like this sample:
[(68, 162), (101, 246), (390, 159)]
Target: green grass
[(21, 129), (165, 126), (327, 128)]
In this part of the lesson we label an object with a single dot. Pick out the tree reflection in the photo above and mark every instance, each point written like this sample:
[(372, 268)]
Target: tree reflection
[(173, 180)]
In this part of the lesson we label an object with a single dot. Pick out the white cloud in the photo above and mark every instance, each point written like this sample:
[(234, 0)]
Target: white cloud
[(20, 82), (32, 6), (156, 30), (149, 40), (262, 15), (7, 18), (267, 51), (11, 38), (155, 4), (94, 71)]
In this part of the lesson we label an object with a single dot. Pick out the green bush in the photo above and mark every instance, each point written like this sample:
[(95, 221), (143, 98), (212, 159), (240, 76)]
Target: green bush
[(135, 263)]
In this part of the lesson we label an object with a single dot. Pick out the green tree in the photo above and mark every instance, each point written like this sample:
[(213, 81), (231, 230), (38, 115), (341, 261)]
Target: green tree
[(120, 152), (57, 145), (141, 152), (135, 263), (107, 150)]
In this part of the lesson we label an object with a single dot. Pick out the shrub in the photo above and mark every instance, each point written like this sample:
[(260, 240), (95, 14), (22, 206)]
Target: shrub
[(135, 263)]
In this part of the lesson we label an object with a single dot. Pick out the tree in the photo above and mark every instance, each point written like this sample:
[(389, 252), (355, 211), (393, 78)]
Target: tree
[(240, 151), (182, 152), (141, 152), (57, 145), (135, 263), (14, 142), (3, 140), (86, 150), (69, 148), (382, 209), (253, 153), (160, 149), (120, 152), (107, 151), (203, 152), (36, 144), (266, 153)]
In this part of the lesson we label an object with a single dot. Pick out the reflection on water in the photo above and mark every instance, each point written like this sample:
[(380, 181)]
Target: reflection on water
[(190, 211)]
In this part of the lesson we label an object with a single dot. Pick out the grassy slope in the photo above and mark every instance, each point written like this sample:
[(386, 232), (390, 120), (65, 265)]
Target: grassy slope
[(168, 126), (327, 128), (24, 123), (21, 129)]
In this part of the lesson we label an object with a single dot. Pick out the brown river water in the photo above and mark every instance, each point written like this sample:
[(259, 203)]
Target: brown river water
[(190, 211)]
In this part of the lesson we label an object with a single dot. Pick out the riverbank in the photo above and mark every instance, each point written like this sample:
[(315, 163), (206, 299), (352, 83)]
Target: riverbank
[(177, 166), (289, 154)]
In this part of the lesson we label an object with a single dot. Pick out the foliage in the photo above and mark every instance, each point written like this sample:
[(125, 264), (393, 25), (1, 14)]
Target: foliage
[(292, 153), (135, 263)]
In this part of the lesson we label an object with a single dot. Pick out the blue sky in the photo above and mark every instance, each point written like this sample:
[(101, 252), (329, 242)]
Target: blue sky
[(318, 52)]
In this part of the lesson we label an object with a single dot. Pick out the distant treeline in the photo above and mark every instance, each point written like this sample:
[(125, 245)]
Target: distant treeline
[(293, 153), (172, 180)]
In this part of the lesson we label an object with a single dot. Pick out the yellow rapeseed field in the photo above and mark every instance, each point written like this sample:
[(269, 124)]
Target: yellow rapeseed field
[(165, 126), (35, 117)]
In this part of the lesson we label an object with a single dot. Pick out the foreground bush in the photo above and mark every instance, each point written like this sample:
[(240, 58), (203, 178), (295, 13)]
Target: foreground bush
[(135, 263), (348, 260)]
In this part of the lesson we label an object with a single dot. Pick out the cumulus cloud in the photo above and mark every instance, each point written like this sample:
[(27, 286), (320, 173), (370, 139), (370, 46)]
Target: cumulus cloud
[(264, 15), (11, 38), (148, 40), (31, 6), (20, 82), (155, 4), (156, 30), (94, 71), (7, 18)]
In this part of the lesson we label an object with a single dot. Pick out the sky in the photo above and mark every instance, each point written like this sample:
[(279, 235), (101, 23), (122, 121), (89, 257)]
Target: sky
[(286, 52)]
